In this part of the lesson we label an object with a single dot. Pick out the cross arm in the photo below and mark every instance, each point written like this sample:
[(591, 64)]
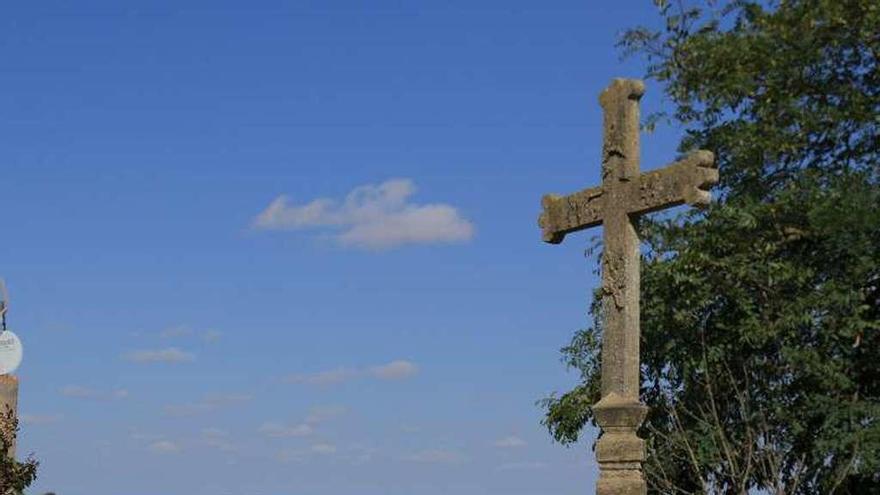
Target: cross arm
[(685, 181), (562, 215)]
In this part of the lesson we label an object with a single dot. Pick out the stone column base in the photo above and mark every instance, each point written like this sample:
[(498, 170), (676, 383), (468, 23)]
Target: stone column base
[(621, 482), (620, 452)]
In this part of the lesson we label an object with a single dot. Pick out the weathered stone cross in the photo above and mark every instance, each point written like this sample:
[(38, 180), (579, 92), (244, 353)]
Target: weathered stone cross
[(624, 195)]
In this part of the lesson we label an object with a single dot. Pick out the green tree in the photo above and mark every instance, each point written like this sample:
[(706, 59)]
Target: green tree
[(14, 476), (761, 314)]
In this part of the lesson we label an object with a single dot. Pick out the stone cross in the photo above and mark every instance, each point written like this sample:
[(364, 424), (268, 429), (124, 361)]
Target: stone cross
[(624, 195)]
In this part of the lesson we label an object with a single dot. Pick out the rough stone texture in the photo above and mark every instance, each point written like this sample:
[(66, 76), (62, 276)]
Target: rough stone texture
[(9, 397), (623, 196)]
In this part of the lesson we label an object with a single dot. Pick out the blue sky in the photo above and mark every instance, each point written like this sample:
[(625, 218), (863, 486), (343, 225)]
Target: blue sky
[(290, 248)]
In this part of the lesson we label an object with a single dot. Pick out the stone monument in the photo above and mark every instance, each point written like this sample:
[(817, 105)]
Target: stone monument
[(624, 195)]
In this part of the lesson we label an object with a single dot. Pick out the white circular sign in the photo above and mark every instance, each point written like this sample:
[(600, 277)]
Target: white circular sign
[(10, 352)]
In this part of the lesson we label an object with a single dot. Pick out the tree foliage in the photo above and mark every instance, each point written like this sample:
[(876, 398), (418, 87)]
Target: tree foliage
[(14, 476), (761, 314)]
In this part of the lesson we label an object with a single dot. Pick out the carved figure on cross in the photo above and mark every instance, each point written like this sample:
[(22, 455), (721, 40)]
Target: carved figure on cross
[(625, 194)]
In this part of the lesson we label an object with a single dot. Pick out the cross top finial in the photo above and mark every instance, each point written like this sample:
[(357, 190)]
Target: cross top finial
[(631, 89)]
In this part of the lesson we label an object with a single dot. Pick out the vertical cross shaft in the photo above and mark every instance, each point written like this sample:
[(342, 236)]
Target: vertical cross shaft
[(619, 451), (620, 258)]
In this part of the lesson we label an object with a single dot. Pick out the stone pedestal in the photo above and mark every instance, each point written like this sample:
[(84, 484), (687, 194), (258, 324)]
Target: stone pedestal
[(620, 452), (9, 397)]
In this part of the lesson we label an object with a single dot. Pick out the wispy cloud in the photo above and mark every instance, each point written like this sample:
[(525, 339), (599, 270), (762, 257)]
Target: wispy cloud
[(510, 442), (169, 355), (157, 444), (317, 415), (395, 370), (208, 404), (372, 217), (81, 392)]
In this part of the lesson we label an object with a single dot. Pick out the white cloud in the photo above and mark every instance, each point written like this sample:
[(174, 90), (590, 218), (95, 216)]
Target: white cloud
[(371, 217), (164, 447), (40, 419), (211, 336), (80, 392), (169, 355), (510, 442), (324, 448), (157, 444), (316, 416), (279, 430), (208, 404), (522, 466), (435, 456), (394, 370)]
